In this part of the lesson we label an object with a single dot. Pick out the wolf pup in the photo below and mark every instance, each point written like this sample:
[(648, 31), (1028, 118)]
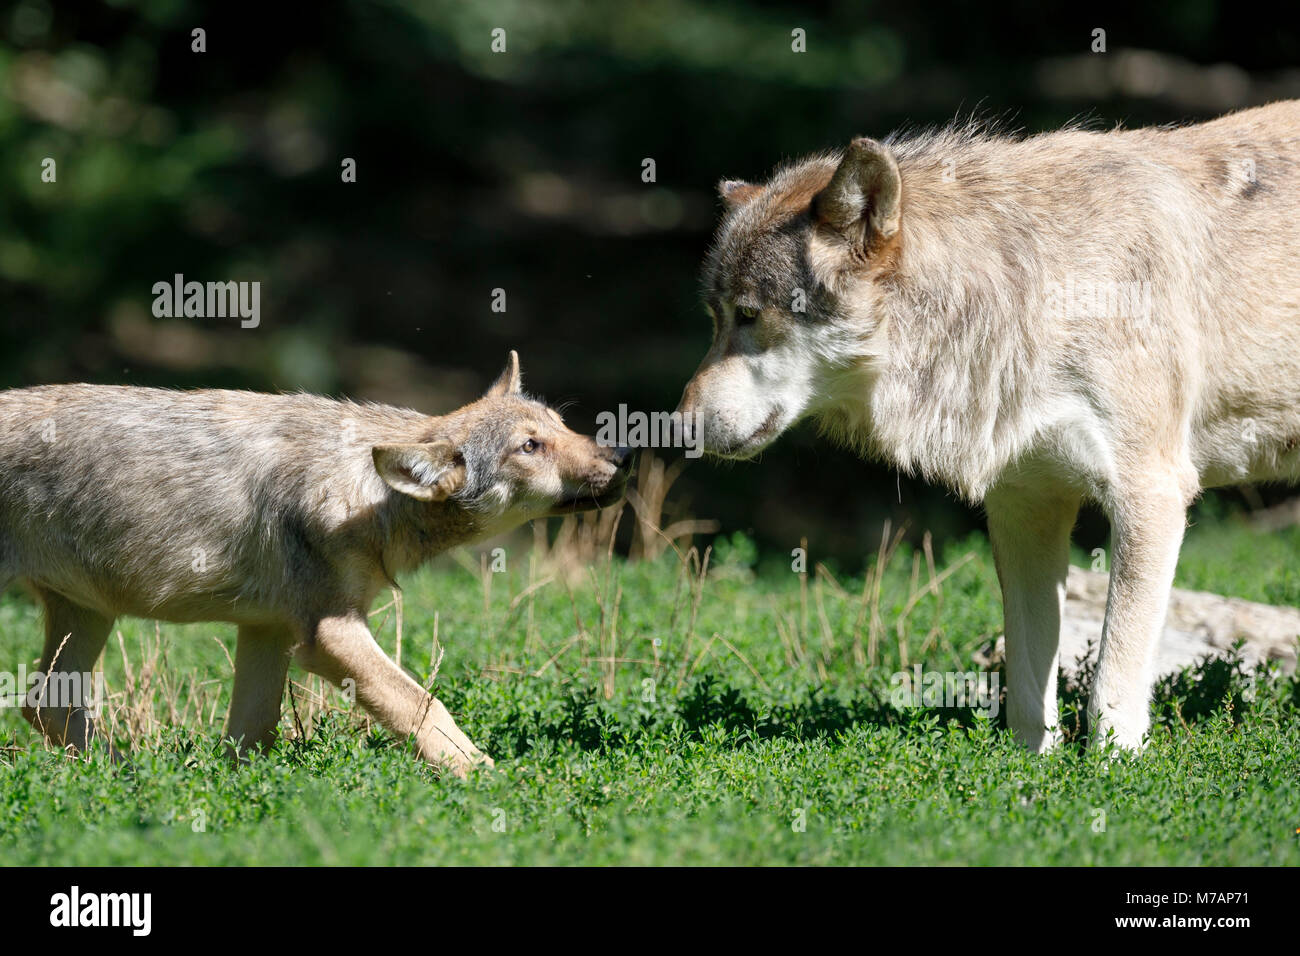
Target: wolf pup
[(283, 514), (1032, 321)]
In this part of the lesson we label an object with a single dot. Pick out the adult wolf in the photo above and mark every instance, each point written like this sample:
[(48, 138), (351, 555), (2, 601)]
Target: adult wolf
[(1032, 321), (284, 514)]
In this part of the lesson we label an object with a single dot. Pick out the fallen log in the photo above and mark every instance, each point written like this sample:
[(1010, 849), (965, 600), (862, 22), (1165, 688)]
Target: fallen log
[(1200, 624)]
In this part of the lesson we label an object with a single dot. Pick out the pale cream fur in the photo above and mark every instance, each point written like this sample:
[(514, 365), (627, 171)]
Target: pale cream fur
[(939, 335)]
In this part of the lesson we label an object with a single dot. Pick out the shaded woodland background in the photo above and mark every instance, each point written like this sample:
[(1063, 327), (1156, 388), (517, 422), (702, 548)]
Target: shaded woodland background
[(518, 170)]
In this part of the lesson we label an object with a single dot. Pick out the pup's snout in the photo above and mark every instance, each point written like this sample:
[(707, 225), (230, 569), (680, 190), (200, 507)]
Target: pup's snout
[(622, 458)]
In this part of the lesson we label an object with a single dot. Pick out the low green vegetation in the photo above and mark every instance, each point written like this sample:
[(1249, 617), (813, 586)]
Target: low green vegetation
[(664, 712)]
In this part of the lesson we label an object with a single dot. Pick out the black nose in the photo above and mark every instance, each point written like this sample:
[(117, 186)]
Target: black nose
[(623, 457)]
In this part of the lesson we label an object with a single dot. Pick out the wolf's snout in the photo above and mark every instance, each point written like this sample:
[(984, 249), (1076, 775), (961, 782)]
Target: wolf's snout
[(622, 458), (686, 405)]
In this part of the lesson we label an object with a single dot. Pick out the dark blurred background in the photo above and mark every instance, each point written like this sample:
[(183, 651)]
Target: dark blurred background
[(521, 171)]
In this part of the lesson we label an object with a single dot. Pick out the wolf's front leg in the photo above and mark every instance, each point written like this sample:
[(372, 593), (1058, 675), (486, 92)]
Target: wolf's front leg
[(1147, 530), (343, 648), (1030, 532)]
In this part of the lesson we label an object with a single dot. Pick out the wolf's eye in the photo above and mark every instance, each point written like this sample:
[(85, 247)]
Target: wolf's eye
[(746, 316), (530, 446)]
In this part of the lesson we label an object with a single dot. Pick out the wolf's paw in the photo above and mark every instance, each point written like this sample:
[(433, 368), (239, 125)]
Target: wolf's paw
[(1123, 732), (462, 764)]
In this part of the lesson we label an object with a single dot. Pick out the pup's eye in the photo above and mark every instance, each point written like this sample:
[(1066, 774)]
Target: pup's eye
[(746, 316), (530, 446)]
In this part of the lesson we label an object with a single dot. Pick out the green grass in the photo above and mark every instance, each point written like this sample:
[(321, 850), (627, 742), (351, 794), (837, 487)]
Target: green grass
[(646, 715)]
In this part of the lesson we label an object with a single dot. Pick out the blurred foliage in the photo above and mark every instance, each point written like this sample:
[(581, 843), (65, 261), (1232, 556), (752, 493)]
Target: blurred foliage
[(518, 170)]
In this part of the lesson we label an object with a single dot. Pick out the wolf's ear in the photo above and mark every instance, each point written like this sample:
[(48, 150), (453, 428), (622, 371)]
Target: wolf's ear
[(737, 192), (508, 382), (861, 201), (428, 471)]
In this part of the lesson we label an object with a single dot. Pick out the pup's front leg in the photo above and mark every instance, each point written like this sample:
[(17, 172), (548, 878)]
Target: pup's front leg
[(343, 648), (1030, 532), (1147, 524)]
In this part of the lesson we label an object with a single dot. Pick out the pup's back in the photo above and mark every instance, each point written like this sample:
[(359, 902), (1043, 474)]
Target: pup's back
[(109, 493)]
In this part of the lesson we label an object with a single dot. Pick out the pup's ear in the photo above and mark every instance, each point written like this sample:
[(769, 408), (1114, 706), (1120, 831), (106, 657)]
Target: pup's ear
[(509, 382), (429, 472), (737, 192), (861, 201)]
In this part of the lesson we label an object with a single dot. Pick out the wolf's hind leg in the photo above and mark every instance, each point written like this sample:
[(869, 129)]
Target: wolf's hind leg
[(64, 704), (343, 648), (1030, 532), (261, 664)]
